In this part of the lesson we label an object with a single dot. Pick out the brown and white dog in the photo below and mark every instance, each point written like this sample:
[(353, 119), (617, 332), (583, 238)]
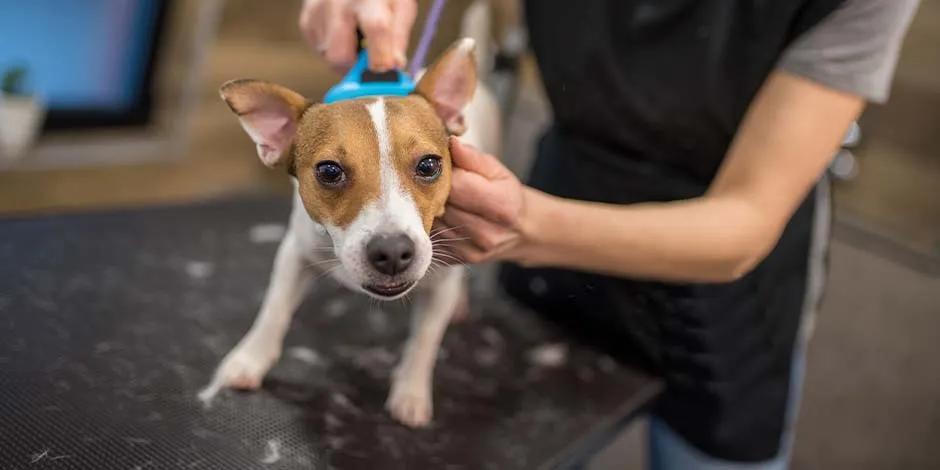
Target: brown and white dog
[(370, 176)]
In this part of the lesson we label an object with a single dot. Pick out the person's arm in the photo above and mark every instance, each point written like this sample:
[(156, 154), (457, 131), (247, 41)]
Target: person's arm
[(786, 141), (788, 137)]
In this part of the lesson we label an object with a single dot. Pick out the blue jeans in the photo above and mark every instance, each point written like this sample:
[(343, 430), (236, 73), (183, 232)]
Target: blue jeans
[(669, 451)]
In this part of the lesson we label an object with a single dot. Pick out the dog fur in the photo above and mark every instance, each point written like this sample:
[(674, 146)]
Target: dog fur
[(377, 142)]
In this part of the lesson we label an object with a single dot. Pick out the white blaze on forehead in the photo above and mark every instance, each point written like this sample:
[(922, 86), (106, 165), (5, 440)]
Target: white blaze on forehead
[(380, 123), (396, 209)]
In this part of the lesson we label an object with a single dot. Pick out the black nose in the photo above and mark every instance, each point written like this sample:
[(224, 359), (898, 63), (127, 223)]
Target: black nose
[(390, 254)]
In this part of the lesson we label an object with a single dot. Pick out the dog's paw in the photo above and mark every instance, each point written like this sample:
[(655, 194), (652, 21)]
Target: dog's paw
[(243, 368), (410, 405)]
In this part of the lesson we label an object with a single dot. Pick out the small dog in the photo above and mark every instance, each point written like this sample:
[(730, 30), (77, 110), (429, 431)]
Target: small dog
[(370, 176)]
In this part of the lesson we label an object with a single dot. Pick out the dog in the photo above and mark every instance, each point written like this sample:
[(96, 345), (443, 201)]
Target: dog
[(370, 176)]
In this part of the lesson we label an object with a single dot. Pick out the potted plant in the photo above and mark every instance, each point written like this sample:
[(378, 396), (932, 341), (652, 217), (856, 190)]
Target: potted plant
[(21, 114)]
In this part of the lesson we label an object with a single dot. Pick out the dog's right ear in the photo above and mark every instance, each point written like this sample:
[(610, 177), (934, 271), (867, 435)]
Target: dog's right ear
[(269, 113), (449, 84)]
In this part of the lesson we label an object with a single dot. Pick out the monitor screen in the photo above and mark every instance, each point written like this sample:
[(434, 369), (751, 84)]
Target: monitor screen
[(91, 61)]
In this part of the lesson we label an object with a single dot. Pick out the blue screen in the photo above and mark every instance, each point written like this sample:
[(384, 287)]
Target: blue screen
[(80, 54)]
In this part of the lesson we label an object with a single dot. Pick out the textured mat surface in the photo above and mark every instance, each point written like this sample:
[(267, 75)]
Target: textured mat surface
[(112, 323)]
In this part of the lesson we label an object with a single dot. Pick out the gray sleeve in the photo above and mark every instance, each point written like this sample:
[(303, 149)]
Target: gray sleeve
[(855, 49)]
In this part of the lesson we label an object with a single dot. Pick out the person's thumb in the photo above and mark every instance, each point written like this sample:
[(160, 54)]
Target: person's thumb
[(471, 159)]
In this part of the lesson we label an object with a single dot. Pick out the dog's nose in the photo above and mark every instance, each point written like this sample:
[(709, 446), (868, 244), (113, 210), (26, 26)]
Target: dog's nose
[(390, 254)]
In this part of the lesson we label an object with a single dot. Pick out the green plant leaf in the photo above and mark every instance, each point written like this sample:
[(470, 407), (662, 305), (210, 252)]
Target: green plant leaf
[(13, 81)]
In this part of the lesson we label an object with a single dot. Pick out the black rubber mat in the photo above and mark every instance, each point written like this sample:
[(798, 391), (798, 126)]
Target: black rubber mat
[(111, 323)]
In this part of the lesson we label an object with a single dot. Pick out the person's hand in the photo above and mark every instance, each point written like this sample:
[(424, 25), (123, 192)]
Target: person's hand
[(485, 215), (330, 28)]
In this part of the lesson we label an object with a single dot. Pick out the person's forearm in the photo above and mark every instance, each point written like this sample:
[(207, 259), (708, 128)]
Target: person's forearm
[(784, 143), (707, 239)]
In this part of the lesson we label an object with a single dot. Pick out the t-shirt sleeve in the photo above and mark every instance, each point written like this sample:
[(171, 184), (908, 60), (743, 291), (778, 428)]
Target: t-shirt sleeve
[(855, 49)]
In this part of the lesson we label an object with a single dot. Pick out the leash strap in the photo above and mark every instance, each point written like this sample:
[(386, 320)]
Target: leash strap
[(430, 27)]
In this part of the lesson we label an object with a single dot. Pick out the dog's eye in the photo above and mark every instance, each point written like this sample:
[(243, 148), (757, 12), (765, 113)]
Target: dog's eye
[(429, 167), (330, 174)]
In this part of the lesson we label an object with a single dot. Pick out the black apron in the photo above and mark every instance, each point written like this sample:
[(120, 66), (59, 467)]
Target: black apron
[(647, 96)]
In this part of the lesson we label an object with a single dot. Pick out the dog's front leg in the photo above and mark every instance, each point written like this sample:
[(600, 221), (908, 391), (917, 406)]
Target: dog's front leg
[(410, 400), (246, 365)]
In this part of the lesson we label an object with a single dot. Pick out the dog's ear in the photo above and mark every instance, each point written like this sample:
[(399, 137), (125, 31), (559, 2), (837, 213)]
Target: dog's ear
[(269, 113), (450, 82)]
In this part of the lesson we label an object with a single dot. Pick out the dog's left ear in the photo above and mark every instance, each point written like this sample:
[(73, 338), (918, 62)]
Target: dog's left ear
[(269, 113), (449, 84)]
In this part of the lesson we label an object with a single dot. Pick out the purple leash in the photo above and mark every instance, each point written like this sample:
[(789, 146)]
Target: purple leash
[(430, 27)]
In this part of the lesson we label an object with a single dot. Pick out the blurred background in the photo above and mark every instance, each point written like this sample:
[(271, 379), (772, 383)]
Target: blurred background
[(124, 94)]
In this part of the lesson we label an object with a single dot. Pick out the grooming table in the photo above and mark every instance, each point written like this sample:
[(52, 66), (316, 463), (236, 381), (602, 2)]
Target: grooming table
[(110, 323)]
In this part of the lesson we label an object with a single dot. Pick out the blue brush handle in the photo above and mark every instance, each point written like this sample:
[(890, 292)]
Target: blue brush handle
[(360, 82)]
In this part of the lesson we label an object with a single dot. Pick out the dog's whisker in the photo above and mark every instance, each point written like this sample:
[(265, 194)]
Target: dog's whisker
[(444, 230), (328, 271), (446, 254), (405, 301), (449, 249), (442, 262), (451, 262), (322, 261), (449, 241), (445, 245)]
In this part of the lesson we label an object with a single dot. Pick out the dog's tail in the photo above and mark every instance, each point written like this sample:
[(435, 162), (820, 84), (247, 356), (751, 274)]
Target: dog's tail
[(477, 25)]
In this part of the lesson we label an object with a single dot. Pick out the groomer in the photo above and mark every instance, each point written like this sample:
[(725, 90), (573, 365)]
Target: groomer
[(678, 209)]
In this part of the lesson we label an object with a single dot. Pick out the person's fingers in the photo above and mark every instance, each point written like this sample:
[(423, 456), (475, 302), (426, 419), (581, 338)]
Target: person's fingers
[(472, 159), (438, 227), (471, 192), (456, 249), (487, 199), (404, 13), (375, 19), (469, 254), (311, 24), (483, 234), (339, 40)]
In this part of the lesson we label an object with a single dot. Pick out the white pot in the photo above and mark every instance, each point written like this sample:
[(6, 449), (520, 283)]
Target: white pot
[(21, 119)]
